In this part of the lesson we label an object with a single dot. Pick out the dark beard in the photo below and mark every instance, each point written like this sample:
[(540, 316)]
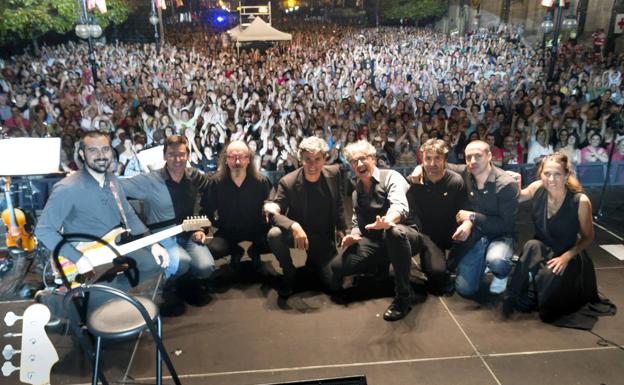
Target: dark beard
[(95, 167)]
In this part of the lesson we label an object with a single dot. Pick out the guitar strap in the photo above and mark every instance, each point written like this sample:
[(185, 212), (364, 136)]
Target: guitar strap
[(115, 192)]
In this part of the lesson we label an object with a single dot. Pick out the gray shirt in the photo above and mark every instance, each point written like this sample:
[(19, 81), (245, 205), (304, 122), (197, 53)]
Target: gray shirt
[(387, 197), (78, 204), (152, 190)]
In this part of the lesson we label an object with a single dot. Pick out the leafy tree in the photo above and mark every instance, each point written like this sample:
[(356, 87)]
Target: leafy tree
[(413, 9), (30, 19)]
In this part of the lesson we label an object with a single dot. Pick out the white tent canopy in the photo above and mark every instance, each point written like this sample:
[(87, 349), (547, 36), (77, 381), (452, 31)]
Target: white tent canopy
[(234, 32), (259, 30)]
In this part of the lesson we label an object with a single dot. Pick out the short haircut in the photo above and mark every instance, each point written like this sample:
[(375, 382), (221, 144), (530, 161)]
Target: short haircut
[(359, 146), (176, 140), (480, 144), (91, 134), (436, 145), (313, 144)]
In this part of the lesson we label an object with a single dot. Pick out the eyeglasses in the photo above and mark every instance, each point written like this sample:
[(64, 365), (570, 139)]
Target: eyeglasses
[(359, 159), (237, 157)]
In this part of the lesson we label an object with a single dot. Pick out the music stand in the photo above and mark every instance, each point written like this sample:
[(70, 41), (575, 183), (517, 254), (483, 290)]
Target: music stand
[(25, 157), (29, 156)]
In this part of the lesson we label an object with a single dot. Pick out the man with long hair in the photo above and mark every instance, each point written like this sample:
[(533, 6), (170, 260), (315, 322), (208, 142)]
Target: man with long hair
[(234, 205)]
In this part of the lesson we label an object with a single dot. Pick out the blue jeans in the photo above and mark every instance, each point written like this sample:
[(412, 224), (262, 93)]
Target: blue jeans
[(495, 254), (186, 255)]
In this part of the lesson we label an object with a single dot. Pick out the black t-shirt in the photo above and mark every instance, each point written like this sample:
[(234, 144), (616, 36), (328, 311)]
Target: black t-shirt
[(318, 206), (433, 207), (183, 196), (235, 210)]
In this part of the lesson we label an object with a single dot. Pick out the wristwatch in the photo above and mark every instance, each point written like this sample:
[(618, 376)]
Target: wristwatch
[(472, 217)]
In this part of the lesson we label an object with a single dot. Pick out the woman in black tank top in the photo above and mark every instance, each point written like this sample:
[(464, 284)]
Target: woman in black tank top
[(554, 276)]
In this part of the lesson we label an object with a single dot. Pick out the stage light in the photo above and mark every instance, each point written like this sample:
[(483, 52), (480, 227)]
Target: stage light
[(220, 19)]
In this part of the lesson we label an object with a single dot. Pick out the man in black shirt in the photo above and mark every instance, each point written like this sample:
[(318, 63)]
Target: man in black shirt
[(433, 205), (307, 213), (170, 195), (492, 196), (234, 205)]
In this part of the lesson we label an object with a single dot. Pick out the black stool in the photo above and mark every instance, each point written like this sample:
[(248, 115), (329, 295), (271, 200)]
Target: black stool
[(122, 317)]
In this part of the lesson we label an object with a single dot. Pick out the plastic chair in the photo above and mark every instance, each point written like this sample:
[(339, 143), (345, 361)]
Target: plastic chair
[(121, 317)]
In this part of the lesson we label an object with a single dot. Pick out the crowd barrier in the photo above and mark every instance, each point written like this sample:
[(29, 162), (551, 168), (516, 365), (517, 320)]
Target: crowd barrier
[(590, 174), (31, 193)]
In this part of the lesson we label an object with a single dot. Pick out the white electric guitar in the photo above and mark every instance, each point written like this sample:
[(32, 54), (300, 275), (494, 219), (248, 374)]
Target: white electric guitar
[(100, 256), (38, 354)]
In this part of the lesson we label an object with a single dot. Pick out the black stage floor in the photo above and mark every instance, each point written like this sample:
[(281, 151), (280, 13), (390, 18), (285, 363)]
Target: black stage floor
[(243, 335)]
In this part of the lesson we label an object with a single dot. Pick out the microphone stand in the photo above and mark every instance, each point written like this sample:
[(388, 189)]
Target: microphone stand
[(600, 213)]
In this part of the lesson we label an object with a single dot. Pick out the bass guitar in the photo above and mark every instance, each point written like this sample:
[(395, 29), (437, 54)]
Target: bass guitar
[(101, 254), (37, 354)]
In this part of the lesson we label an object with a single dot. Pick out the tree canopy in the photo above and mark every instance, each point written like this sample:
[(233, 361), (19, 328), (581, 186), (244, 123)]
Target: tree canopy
[(413, 9), (30, 19)]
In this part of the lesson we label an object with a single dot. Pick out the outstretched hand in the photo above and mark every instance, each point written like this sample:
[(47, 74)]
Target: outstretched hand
[(380, 224)]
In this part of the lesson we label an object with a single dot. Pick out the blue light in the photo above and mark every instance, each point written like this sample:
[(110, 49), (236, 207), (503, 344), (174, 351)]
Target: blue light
[(220, 19)]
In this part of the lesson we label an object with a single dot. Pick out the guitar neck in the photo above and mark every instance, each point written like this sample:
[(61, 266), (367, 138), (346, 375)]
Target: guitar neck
[(9, 202), (127, 248)]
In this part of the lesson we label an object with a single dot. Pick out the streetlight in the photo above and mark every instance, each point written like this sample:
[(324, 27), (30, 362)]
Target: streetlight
[(153, 19), (548, 25), (88, 29), (569, 24)]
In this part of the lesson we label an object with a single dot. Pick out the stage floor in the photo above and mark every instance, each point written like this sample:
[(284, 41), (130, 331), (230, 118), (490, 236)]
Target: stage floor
[(243, 335)]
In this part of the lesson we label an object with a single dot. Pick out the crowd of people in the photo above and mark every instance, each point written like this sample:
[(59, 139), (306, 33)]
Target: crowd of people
[(367, 99), (393, 87)]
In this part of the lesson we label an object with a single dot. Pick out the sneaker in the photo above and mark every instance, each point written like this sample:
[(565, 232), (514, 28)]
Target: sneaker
[(498, 285)]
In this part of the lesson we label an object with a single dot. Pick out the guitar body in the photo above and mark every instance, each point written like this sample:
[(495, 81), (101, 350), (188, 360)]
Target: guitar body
[(97, 253), (100, 255)]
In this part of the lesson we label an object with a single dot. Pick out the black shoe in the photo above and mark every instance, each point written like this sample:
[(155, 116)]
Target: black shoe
[(509, 306), (172, 307), (285, 288), (398, 309), (235, 262), (256, 261)]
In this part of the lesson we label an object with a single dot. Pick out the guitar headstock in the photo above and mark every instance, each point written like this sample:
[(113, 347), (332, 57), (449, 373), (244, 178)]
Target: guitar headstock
[(37, 355), (196, 223)]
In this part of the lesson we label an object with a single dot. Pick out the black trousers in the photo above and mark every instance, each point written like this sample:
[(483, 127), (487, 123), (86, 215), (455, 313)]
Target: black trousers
[(223, 244), (321, 250), (397, 245)]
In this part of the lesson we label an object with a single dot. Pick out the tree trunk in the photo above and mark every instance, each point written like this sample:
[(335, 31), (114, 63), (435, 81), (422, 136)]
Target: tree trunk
[(36, 49)]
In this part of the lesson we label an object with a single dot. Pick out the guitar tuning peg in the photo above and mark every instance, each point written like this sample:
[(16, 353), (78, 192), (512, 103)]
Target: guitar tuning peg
[(8, 368), (8, 352), (10, 318)]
